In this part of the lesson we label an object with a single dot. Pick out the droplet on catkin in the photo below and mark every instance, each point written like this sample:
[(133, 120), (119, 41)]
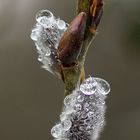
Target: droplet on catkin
[(103, 86), (61, 24), (88, 87), (45, 18), (67, 100), (66, 124), (48, 51), (56, 131), (40, 58), (77, 107), (35, 35), (80, 98)]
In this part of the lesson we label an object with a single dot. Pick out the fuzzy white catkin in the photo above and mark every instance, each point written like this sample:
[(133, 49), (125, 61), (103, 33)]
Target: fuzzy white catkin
[(83, 113), (46, 34)]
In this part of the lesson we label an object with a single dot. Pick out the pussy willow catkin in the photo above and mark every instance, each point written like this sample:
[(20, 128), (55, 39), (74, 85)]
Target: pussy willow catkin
[(46, 34), (83, 112)]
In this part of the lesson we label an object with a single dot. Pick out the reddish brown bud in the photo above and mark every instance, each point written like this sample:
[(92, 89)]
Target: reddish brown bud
[(70, 44), (96, 11)]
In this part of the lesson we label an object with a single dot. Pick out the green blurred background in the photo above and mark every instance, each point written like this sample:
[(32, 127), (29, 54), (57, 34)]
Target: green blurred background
[(31, 98)]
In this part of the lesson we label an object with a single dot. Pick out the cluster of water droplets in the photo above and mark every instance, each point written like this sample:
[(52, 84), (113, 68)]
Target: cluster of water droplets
[(83, 112), (46, 34)]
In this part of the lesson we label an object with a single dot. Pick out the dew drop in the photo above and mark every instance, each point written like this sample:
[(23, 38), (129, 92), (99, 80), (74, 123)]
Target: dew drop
[(91, 97), (63, 116), (39, 46), (86, 105), (45, 22), (35, 34), (44, 13), (48, 51), (84, 115), (90, 114), (50, 63), (88, 87), (40, 58), (61, 24), (66, 124), (103, 86), (88, 128), (68, 110), (77, 114), (56, 131), (77, 107), (80, 98), (45, 18), (67, 100), (81, 128)]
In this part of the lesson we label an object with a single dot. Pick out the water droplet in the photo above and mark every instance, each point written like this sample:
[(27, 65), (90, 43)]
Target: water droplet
[(39, 46), (45, 18), (44, 22), (86, 107), (68, 110), (80, 98), (77, 107), (48, 51), (35, 34), (88, 128), (91, 97), (103, 86), (39, 27), (61, 24), (77, 114), (44, 13), (90, 114), (103, 102), (88, 87), (66, 124), (40, 58), (56, 131), (63, 116), (82, 128), (47, 61), (67, 100), (84, 115)]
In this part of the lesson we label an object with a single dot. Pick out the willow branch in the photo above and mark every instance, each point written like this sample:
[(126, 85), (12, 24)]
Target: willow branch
[(76, 40)]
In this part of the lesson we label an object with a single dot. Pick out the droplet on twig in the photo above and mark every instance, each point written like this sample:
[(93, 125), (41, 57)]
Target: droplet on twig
[(56, 131), (103, 86)]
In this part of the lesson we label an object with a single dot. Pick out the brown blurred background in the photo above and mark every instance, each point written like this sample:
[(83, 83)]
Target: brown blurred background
[(31, 98)]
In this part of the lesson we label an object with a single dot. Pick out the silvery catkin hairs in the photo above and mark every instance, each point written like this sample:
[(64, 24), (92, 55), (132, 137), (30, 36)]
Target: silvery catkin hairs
[(83, 113)]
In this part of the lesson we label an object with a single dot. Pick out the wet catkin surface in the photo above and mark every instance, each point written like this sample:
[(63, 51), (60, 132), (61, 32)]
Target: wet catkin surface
[(83, 114), (31, 98)]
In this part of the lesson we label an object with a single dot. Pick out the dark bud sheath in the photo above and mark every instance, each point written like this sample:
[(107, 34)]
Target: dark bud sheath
[(96, 11), (70, 43)]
